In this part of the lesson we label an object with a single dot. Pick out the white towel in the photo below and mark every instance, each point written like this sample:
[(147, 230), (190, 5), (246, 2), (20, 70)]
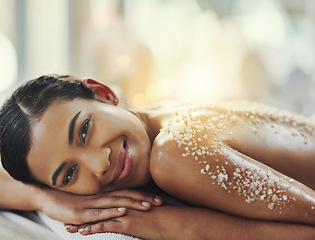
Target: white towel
[(60, 229), (23, 226)]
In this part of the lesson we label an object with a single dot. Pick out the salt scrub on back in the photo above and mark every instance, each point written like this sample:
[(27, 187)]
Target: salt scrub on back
[(201, 134)]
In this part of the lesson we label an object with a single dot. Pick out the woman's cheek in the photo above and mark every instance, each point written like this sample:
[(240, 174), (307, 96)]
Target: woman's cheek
[(84, 185)]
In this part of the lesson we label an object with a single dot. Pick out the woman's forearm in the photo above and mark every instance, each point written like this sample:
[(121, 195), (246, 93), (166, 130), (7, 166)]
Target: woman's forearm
[(178, 222), (200, 223), (17, 195), (234, 183), (71, 208)]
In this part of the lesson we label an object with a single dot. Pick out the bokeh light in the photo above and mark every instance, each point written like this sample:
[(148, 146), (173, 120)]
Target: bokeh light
[(191, 50), (8, 63)]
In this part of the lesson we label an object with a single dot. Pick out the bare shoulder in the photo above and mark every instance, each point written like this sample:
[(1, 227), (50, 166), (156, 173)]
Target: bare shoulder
[(170, 171), (163, 160), (180, 150)]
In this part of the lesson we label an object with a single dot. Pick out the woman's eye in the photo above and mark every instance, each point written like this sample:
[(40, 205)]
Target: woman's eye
[(84, 129), (69, 174)]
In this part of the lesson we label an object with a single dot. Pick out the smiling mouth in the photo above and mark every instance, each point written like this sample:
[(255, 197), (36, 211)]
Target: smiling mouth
[(124, 164)]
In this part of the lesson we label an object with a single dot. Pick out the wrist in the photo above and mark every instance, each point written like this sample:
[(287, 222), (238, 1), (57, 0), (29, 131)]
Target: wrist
[(177, 226), (40, 196)]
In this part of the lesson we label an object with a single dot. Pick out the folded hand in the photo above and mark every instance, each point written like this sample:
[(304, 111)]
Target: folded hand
[(80, 209)]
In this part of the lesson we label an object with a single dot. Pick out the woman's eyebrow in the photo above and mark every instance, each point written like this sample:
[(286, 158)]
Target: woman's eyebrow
[(71, 127), (57, 173), (71, 132)]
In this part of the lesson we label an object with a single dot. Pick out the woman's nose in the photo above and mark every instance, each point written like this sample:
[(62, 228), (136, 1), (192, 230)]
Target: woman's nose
[(98, 161)]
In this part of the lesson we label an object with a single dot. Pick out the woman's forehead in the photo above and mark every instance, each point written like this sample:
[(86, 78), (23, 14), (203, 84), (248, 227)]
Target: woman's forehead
[(55, 121), (63, 108), (53, 127), (48, 138), (69, 105)]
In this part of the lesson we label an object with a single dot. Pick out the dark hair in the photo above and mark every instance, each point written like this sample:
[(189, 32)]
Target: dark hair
[(27, 104)]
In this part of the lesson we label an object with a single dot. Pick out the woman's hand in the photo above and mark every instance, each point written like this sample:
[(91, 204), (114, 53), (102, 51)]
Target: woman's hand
[(158, 223), (80, 209)]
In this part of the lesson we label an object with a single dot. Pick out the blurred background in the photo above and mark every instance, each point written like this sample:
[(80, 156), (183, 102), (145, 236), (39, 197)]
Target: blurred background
[(151, 50)]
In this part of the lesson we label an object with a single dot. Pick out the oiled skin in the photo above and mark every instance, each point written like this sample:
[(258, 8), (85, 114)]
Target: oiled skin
[(256, 143)]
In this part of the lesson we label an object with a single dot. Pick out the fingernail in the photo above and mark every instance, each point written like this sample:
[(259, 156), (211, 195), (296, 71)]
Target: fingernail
[(122, 209), (68, 228), (82, 230), (157, 199), (146, 204)]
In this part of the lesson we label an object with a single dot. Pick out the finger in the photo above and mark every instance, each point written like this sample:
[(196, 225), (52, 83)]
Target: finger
[(110, 202), (137, 195), (94, 215), (101, 227), (74, 228)]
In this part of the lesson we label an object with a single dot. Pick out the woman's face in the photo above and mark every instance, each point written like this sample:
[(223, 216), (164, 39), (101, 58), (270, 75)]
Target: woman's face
[(86, 146)]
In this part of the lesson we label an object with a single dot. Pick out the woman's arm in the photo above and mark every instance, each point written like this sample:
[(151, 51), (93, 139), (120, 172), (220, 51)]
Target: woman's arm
[(220, 177), (174, 222), (71, 208), (17, 195)]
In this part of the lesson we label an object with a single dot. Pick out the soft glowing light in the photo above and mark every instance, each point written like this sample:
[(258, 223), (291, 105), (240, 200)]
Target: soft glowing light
[(139, 100), (102, 12), (256, 24), (123, 61), (200, 79), (199, 83), (8, 63), (152, 93)]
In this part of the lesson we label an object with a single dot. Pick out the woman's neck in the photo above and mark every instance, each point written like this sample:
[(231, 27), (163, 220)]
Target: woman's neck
[(151, 129)]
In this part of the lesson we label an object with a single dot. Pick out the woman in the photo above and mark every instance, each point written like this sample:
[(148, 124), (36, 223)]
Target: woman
[(251, 163)]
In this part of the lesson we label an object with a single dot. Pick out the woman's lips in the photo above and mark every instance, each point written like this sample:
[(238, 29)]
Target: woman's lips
[(124, 164)]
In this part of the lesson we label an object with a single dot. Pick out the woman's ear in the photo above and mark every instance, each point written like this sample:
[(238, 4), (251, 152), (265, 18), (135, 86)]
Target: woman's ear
[(101, 91)]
